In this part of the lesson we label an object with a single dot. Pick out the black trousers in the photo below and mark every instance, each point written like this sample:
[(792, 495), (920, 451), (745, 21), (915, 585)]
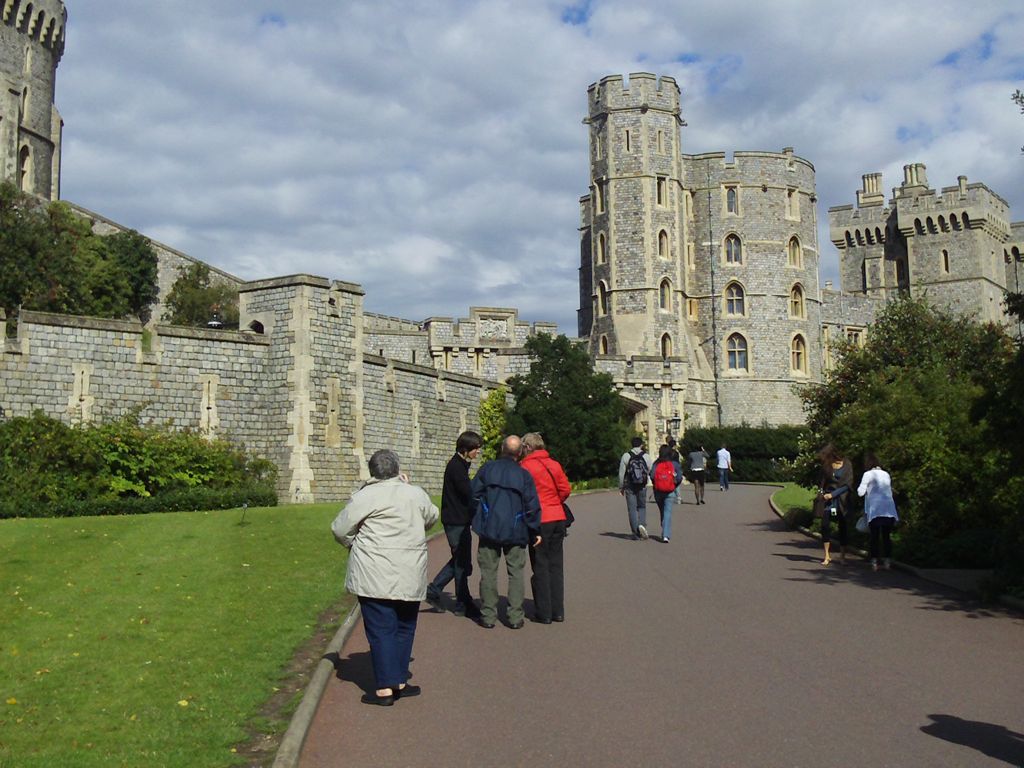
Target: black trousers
[(881, 528), (548, 580), (826, 527)]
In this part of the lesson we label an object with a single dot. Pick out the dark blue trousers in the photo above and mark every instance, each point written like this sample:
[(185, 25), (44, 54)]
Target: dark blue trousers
[(390, 628)]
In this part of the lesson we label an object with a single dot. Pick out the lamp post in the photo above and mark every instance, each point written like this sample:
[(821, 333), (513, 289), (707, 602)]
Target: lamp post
[(215, 321), (672, 425)]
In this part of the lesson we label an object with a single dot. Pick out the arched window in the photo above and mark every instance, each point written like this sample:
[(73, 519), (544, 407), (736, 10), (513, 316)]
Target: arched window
[(601, 248), (918, 227), (931, 225), (25, 169), (736, 353), (942, 224), (665, 295), (796, 302), (733, 250), (878, 235), (24, 104), (798, 355), (734, 300), (794, 253), (864, 276), (966, 220), (945, 261), (732, 201), (603, 345), (860, 237), (256, 326), (954, 221), (869, 236), (849, 239), (602, 298), (663, 251), (666, 346)]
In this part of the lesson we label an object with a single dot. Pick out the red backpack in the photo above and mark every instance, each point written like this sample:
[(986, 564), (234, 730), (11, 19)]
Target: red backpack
[(664, 477)]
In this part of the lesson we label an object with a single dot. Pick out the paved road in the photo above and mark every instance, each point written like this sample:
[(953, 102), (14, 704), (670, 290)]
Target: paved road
[(730, 646)]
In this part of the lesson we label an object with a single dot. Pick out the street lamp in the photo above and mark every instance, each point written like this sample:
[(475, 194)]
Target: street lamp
[(672, 425)]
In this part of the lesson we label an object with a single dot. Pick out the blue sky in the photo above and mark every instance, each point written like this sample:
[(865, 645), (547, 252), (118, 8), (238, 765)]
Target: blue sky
[(434, 151)]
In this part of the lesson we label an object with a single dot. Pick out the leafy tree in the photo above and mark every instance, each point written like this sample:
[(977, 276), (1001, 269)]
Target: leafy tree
[(493, 418), (578, 411), (23, 243), (136, 260), (195, 296)]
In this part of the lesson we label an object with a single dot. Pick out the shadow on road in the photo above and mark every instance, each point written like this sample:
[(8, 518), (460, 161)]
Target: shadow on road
[(356, 668), (996, 741)]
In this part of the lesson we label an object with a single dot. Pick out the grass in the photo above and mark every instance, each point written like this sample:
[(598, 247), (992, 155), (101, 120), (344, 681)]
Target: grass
[(154, 639), (795, 502)]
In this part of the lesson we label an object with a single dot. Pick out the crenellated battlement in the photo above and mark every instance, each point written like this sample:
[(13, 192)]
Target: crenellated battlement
[(643, 91), (40, 20)]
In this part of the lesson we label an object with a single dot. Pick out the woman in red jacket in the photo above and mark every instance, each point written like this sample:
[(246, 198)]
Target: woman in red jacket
[(546, 558)]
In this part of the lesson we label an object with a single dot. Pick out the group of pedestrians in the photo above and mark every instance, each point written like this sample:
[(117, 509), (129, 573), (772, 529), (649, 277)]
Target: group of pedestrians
[(834, 487), (665, 474), (516, 506)]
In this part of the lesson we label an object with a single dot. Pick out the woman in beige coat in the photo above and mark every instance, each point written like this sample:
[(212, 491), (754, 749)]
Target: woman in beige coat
[(384, 525)]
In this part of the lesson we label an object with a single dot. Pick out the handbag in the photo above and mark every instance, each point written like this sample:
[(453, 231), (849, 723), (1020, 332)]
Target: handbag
[(862, 524), (570, 518)]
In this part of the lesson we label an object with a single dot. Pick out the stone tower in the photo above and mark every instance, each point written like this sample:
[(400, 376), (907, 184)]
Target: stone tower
[(31, 45), (949, 246)]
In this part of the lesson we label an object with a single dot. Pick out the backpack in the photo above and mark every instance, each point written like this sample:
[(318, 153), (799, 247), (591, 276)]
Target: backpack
[(664, 477), (636, 470)]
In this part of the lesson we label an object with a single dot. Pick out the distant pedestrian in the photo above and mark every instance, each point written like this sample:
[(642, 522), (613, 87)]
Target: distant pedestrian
[(698, 468), (671, 443), (834, 490), (879, 509), (666, 476), (457, 515), (634, 471), (724, 467), (546, 560), (507, 520), (384, 524)]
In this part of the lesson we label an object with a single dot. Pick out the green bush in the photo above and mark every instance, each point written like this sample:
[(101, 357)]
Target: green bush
[(51, 469), (759, 454)]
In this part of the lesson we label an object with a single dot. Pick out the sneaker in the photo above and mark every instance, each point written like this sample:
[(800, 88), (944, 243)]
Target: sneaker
[(641, 531), (664, 539)]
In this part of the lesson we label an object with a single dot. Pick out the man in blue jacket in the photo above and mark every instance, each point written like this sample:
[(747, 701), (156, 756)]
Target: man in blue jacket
[(507, 520)]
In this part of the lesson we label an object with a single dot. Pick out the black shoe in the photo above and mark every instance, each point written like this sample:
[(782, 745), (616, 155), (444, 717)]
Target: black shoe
[(517, 625), (459, 609), (380, 701), (486, 624), (472, 612), (538, 620), (558, 617), (434, 601), (408, 692)]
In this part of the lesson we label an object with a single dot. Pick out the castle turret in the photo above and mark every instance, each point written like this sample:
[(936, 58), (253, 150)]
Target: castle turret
[(31, 45)]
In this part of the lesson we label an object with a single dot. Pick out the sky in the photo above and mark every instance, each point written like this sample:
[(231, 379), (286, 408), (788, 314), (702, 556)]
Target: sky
[(434, 151)]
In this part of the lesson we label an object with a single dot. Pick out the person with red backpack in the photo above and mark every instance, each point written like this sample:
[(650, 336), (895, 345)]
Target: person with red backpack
[(666, 475)]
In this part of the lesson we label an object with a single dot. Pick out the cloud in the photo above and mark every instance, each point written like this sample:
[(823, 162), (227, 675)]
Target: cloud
[(435, 153)]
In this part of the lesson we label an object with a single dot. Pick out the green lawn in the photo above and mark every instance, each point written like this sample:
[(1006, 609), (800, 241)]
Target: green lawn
[(793, 496), (152, 640)]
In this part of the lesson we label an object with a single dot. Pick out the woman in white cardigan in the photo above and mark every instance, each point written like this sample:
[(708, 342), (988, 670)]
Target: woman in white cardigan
[(879, 509)]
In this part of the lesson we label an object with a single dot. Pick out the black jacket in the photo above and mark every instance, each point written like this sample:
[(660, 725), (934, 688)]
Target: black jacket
[(507, 507), (457, 493)]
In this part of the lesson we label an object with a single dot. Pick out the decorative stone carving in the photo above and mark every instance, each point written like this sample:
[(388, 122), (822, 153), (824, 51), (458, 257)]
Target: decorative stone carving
[(493, 328)]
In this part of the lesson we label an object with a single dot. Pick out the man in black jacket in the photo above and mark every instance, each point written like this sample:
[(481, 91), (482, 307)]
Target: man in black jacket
[(507, 520), (456, 516)]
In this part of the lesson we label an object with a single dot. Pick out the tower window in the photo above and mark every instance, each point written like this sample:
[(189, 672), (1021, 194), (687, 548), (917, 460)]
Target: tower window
[(661, 142), (602, 254), (628, 138), (665, 295), (599, 196), (734, 300), (25, 169), (945, 261), (796, 303), (602, 345), (798, 355), (663, 250), (598, 146), (794, 253), (736, 353), (662, 190), (691, 258), (732, 200), (691, 308), (792, 204), (666, 346), (733, 250), (602, 298)]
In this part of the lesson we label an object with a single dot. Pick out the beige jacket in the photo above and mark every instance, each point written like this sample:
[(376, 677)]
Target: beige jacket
[(384, 525)]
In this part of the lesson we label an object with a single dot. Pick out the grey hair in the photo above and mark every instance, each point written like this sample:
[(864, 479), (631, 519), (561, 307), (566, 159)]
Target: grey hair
[(384, 464)]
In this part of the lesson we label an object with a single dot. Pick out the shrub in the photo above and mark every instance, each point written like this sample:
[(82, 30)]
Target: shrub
[(759, 454)]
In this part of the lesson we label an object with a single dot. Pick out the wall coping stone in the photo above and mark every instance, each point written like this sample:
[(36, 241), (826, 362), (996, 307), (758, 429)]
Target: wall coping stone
[(401, 365), (212, 334), (29, 316)]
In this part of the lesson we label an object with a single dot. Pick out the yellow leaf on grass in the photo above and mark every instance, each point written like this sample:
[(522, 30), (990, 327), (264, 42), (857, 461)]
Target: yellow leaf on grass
[(183, 703)]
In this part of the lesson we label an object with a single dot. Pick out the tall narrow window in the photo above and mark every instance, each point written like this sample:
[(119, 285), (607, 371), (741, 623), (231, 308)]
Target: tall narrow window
[(792, 204), (602, 299), (945, 261), (665, 295), (666, 346), (732, 200), (603, 345), (661, 142), (663, 251), (25, 169), (794, 253), (691, 309), (736, 351), (691, 256), (796, 302), (733, 250), (734, 300), (798, 355), (688, 204), (629, 140), (602, 254), (599, 196), (662, 190)]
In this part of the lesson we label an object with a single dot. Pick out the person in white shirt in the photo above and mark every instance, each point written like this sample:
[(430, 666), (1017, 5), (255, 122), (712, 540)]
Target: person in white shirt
[(879, 509), (724, 466)]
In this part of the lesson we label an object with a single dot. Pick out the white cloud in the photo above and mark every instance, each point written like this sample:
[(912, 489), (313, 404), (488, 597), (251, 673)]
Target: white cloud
[(434, 152)]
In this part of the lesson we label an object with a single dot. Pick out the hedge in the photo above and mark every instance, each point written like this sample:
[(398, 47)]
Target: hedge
[(758, 453)]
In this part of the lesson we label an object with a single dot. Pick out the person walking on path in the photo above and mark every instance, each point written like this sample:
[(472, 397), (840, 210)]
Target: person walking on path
[(724, 467), (546, 560), (384, 524), (456, 516), (666, 475), (879, 509), (507, 520), (834, 484), (698, 467), (634, 471)]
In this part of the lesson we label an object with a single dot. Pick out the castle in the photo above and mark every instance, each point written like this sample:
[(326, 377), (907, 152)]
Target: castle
[(699, 294)]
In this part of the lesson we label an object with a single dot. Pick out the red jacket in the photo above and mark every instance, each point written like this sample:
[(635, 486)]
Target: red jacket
[(552, 484)]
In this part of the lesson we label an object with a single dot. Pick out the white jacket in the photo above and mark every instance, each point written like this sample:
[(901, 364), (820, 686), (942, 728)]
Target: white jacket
[(384, 524), (877, 484)]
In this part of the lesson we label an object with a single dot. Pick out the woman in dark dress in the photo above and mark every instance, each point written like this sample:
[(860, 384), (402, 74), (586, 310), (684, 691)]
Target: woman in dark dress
[(834, 492)]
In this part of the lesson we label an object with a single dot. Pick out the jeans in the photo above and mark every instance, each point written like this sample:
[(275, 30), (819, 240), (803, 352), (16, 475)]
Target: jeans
[(390, 627), (723, 478), (636, 507), (665, 502), (881, 527), (459, 567), (488, 553), (548, 580)]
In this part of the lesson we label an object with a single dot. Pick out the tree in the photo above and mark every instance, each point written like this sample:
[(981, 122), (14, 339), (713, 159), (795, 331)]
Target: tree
[(578, 411), (195, 296), (135, 258), (493, 418)]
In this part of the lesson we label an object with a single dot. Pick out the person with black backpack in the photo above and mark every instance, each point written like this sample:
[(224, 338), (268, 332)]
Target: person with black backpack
[(634, 473)]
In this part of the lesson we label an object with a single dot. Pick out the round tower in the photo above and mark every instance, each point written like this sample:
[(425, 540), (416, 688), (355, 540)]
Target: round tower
[(31, 45), (632, 229)]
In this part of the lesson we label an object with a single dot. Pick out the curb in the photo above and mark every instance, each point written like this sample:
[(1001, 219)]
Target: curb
[(1004, 600)]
